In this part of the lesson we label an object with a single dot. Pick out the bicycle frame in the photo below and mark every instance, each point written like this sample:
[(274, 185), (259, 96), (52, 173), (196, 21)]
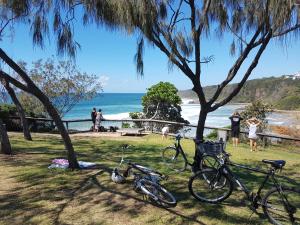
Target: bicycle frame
[(253, 197), (180, 151)]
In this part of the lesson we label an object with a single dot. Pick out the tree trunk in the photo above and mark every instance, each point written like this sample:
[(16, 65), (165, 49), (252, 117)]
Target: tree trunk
[(201, 123), (5, 144), (21, 111), (34, 90), (73, 163)]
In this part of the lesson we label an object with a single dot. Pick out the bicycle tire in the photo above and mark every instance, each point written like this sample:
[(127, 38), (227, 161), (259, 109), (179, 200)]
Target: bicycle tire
[(275, 207), (210, 185), (208, 161), (173, 159), (157, 193)]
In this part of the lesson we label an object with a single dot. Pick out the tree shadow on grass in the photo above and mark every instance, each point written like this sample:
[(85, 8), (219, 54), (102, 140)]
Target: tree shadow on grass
[(59, 197)]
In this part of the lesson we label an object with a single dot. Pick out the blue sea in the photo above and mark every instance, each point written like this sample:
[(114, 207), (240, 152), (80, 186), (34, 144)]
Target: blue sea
[(118, 106)]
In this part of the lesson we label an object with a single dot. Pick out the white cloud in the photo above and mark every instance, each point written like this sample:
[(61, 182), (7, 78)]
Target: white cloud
[(104, 80)]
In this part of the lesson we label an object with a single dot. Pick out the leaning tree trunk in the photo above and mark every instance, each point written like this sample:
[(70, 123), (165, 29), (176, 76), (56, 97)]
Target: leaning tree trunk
[(5, 144), (201, 123), (73, 163), (34, 90), (20, 109)]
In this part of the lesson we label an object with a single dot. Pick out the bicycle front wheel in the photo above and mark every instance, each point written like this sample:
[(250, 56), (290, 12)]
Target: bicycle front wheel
[(282, 208), (158, 193), (210, 185), (173, 159)]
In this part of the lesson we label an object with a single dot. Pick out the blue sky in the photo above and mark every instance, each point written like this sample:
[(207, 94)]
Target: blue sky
[(109, 55)]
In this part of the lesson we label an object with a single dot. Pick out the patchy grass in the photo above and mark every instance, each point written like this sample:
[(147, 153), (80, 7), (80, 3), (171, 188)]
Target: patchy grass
[(32, 194)]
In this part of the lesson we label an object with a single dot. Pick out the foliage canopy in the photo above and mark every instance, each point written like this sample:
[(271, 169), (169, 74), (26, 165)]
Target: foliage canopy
[(63, 83), (163, 92), (257, 109), (162, 102)]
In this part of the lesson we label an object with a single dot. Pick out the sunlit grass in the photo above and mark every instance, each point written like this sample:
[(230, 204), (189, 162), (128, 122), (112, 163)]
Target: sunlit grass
[(30, 193)]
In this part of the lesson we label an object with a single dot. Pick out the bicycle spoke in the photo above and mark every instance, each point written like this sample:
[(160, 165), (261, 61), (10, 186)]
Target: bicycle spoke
[(173, 159), (210, 186)]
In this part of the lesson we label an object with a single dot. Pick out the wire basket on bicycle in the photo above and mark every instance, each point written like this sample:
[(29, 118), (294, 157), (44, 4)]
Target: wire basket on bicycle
[(213, 148), (208, 154)]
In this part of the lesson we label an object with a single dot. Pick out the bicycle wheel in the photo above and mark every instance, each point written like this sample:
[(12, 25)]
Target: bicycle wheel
[(173, 159), (157, 193), (282, 208), (210, 185), (209, 161)]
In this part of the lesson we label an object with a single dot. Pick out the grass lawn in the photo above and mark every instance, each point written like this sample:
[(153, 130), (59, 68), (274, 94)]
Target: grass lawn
[(30, 193)]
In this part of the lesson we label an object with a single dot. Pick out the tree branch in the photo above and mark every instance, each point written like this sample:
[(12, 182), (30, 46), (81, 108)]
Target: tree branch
[(7, 78), (16, 68), (279, 34), (174, 17), (7, 22), (235, 68), (204, 15), (235, 34), (247, 74), (185, 69)]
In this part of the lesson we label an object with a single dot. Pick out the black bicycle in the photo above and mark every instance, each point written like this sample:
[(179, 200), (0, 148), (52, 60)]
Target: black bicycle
[(280, 204), (147, 182), (175, 158)]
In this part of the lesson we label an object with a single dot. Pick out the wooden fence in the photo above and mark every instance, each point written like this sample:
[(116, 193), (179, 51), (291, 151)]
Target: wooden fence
[(68, 122)]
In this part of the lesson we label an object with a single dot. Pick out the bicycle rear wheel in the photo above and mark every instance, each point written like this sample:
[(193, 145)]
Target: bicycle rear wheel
[(210, 185), (158, 193), (282, 208), (173, 159)]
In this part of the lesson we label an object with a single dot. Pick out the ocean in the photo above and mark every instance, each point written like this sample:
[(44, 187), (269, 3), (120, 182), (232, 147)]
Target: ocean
[(118, 106)]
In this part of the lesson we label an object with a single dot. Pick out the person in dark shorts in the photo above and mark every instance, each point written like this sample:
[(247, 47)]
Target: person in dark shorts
[(93, 116), (235, 128)]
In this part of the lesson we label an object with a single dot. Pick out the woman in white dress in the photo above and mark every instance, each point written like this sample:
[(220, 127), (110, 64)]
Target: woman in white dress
[(253, 124)]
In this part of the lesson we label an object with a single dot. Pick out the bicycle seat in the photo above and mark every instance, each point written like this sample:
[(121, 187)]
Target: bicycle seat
[(277, 164)]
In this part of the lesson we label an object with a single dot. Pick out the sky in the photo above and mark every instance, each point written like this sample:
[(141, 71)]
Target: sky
[(110, 54)]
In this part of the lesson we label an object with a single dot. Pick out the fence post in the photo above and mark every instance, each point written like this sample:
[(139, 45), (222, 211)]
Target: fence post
[(151, 127)]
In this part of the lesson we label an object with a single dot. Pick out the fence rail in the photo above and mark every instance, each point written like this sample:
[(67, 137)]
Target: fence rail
[(67, 122)]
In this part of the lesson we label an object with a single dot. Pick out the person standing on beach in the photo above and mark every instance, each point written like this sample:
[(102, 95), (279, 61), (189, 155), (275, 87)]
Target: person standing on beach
[(93, 117), (235, 128), (253, 123), (98, 120)]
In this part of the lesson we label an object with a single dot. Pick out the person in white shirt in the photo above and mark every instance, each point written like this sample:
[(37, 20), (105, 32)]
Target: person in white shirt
[(164, 131), (253, 124)]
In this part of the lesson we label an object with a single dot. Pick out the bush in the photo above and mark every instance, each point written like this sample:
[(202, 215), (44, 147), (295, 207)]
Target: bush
[(212, 135), (7, 110), (136, 115), (125, 125), (289, 103), (257, 109)]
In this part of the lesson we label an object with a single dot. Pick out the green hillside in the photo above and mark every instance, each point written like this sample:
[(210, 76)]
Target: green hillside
[(281, 92)]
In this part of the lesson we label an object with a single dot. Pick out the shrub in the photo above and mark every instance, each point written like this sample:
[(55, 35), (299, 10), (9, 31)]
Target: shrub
[(212, 135), (125, 125)]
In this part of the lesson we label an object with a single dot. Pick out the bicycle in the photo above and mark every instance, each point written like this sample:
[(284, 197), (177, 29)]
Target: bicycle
[(280, 204), (175, 158), (147, 181)]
